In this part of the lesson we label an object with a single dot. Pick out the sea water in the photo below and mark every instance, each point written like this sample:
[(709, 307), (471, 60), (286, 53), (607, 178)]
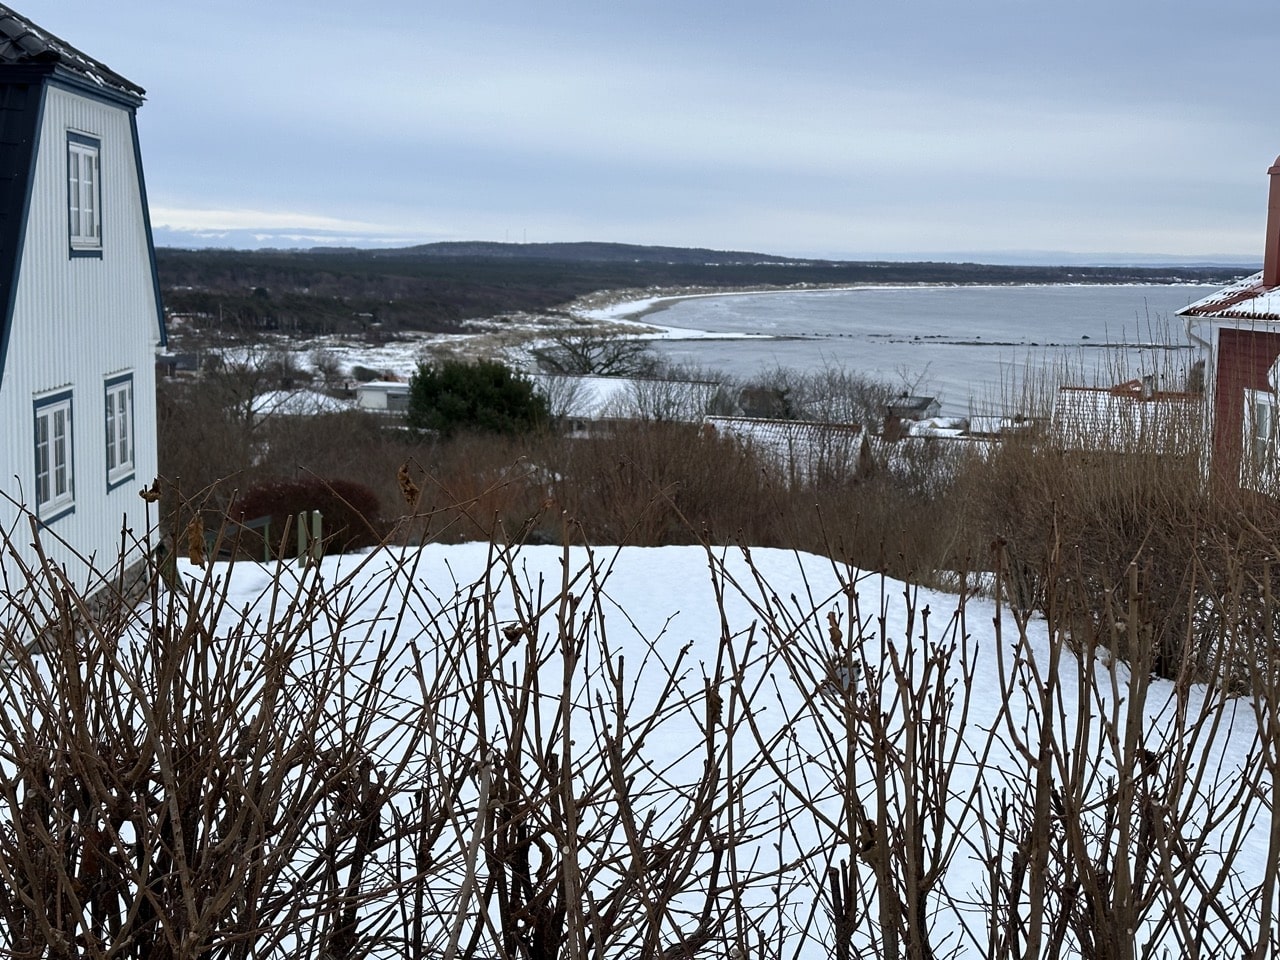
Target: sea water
[(972, 347)]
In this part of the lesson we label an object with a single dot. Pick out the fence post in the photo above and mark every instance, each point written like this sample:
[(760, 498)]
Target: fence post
[(310, 536)]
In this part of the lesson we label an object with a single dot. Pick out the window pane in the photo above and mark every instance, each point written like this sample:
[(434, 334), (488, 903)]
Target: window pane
[(88, 196), (122, 418), (111, 434), (119, 428), (42, 460), (83, 194), (76, 193), (54, 483), (59, 452)]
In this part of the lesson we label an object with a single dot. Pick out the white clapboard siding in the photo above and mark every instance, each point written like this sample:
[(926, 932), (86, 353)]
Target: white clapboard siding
[(78, 322)]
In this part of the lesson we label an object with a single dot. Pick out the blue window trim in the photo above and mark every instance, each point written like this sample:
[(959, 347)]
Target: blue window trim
[(63, 396), (133, 446), (84, 140)]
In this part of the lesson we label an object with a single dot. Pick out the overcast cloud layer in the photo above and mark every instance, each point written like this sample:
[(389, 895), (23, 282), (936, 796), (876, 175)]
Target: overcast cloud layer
[(991, 129)]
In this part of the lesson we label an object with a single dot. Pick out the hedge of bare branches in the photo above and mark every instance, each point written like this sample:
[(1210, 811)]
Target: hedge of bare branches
[(508, 751)]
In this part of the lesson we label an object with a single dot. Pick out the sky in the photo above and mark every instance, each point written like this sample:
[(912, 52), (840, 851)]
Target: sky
[(1003, 130)]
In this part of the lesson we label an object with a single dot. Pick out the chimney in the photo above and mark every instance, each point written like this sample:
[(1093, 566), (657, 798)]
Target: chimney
[(1271, 256)]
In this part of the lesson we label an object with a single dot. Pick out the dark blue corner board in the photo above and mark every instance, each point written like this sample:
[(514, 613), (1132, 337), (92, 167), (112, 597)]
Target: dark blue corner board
[(21, 111), (146, 222)]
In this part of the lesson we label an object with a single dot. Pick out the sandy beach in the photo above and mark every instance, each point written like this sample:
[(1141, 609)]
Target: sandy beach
[(621, 309)]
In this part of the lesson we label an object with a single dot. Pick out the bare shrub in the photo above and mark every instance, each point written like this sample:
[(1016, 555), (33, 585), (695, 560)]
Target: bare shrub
[(657, 483), (509, 751), (832, 394), (1074, 521), (184, 780), (352, 515), (480, 487), (669, 400)]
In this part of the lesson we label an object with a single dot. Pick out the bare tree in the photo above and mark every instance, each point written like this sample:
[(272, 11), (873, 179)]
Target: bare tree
[(830, 394), (590, 352)]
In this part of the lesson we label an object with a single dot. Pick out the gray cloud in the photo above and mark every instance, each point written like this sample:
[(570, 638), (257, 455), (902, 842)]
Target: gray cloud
[(810, 127)]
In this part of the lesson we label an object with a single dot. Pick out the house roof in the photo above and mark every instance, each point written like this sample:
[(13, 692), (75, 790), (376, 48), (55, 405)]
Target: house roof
[(800, 445), (23, 43), (585, 397), (1246, 299), (296, 403), (905, 406), (1124, 417), (592, 397)]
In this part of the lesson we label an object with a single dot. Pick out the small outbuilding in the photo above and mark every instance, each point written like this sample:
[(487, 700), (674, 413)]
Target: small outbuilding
[(383, 396)]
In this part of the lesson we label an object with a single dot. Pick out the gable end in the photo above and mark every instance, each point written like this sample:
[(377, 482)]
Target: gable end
[(21, 111)]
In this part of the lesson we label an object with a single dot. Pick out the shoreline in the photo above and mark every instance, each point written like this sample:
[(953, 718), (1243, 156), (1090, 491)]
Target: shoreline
[(631, 306)]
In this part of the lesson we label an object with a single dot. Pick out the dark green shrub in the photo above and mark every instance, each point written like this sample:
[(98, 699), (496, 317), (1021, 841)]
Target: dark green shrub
[(351, 513), (487, 396)]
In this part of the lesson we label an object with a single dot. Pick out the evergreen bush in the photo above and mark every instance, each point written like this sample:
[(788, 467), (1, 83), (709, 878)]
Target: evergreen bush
[(487, 396)]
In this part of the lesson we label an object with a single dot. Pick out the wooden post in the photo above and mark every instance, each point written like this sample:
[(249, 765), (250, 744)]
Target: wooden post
[(317, 535)]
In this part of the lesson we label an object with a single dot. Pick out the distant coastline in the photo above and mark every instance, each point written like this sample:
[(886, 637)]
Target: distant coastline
[(632, 306)]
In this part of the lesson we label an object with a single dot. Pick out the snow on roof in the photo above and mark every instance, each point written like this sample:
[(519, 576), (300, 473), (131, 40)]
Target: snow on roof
[(1121, 418), (905, 403), (23, 42), (795, 444), (1246, 299), (296, 403), (944, 427), (582, 398), (618, 398)]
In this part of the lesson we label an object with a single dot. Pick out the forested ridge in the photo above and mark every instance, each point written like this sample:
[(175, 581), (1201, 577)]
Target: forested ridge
[(437, 286)]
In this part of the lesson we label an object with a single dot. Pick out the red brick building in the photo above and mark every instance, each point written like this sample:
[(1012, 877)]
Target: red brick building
[(1239, 326)]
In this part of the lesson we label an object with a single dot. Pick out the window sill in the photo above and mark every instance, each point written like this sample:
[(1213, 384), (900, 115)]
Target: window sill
[(51, 513)]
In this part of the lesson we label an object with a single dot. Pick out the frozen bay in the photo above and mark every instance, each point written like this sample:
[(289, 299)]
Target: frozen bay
[(969, 345)]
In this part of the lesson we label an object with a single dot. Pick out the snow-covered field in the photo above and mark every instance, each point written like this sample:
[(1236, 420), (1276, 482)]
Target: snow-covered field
[(756, 741)]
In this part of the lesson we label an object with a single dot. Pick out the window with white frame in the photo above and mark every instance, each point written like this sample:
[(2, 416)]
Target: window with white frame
[(55, 481), (84, 194), (1258, 465), (119, 407)]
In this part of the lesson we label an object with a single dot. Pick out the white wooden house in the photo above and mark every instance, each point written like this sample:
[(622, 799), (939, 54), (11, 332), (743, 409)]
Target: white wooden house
[(81, 303)]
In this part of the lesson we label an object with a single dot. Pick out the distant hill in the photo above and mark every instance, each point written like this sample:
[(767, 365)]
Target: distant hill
[(438, 286), (585, 252)]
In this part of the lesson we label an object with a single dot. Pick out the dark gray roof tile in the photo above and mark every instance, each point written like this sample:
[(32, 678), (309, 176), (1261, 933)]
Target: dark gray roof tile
[(22, 42)]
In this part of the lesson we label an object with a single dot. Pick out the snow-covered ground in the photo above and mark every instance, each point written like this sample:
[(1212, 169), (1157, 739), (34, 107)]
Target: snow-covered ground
[(823, 721), (511, 338)]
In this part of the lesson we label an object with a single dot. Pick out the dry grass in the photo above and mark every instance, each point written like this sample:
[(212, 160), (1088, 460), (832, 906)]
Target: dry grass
[(1068, 523)]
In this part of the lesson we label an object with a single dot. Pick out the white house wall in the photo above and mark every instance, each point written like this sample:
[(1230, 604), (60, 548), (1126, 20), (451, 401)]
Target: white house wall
[(78, 322)]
